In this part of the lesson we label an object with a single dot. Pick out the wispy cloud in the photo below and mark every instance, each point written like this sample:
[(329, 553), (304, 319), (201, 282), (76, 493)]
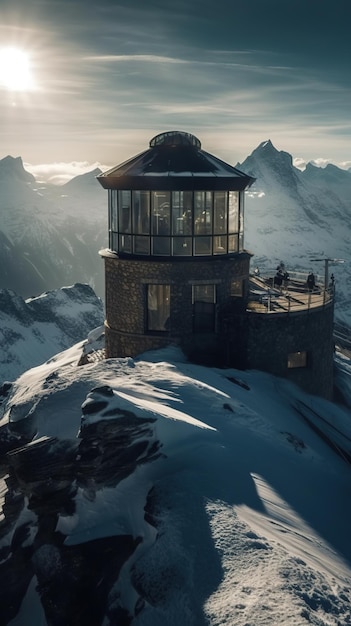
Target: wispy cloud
[(142, 58), (60, 173)]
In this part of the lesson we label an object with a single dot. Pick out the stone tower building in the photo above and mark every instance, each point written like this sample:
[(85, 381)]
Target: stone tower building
[(177, 272), (176, 256)]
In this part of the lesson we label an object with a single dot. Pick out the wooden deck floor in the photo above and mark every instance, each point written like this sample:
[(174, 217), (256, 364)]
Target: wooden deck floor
[(294, 297)]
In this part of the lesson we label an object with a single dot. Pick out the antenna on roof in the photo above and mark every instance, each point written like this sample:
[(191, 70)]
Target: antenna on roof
[(328, 262)]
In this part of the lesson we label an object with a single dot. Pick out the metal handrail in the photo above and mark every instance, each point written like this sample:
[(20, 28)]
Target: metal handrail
[(293, 296)]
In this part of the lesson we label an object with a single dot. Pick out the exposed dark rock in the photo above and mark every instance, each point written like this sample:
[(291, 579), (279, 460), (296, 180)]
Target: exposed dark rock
[(75, 583)]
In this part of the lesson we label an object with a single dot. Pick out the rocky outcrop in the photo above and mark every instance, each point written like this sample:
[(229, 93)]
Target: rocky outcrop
[(49, 483)]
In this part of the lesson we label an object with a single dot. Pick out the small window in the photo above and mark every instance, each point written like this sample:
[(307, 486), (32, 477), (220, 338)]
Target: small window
[(236, 288), (202, 245), (297, 359), (125, 243), (233, 245), (158, 307), (161, 246), (141, 244), (182, 246)]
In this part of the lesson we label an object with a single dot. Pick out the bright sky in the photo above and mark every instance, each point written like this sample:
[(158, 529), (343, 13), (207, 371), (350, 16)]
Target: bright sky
[(98, 80)]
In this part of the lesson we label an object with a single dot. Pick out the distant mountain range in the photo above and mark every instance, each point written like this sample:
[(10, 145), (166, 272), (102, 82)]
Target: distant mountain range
[(50, 235)]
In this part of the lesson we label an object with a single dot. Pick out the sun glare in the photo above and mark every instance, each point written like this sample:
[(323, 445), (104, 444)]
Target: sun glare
[(15, 70)]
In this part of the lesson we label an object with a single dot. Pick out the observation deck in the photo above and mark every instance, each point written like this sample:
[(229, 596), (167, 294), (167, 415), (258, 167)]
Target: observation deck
[(293, 296)]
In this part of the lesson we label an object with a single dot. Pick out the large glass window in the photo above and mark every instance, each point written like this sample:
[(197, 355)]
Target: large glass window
[(175, 223), (182, 213), (158, 307), (160, 212), (204, 308), (124, 206), (113, 210), (233, 205), (220, 213), (141, 212), (203, 212)]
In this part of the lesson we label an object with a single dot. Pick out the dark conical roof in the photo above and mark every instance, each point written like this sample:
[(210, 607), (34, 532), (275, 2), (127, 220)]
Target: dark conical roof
[(175, 161)]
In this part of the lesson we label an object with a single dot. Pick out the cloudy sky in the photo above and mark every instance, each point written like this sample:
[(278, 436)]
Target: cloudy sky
[(104, 77)]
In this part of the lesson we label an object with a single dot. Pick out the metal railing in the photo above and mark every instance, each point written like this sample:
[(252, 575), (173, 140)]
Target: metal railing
[(292, 296)]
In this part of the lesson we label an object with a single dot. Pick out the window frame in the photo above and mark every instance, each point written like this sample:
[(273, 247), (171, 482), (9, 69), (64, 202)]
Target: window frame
[(157, 319)]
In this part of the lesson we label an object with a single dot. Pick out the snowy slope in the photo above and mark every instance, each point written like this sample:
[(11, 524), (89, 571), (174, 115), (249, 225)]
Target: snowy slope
[(157, 492)]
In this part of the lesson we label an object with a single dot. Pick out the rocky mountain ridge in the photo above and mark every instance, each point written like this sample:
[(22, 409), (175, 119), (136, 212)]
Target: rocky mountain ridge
[(33, 330)]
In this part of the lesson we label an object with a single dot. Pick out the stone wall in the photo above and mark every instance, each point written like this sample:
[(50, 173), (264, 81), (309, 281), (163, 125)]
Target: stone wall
[(126, 307), (271, 337), (242, 339)]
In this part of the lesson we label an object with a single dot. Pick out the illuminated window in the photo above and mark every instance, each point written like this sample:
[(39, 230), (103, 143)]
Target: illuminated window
[(176, 223), (160, 207), (158, 307), (236, 288), (297, 359), (233, 211)]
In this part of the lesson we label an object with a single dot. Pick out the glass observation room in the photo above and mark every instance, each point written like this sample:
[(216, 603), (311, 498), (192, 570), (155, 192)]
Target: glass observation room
[(175, 223), (175, 200)]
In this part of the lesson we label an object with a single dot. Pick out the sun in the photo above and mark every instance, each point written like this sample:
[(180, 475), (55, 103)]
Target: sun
[(15, 70)]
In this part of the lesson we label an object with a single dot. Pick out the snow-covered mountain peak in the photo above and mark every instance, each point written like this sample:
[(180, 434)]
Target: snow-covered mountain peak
[(265, 145), (266, 150), (82, 182), (12, 168), (271, 167)]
